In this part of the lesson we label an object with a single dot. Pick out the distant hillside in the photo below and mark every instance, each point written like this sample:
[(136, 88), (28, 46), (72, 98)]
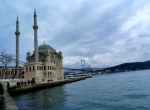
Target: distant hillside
[(133, 66), (127, 67)]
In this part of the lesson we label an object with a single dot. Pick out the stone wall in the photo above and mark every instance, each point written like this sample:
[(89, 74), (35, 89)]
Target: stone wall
[(29, 88)]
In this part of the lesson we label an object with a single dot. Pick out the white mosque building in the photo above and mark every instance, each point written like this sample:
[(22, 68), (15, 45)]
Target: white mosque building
[(44, 64)]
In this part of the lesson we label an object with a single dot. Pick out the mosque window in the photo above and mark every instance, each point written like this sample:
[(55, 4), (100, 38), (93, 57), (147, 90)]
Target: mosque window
[(33, 68), (44, 67), (30, 68), (26, 68)]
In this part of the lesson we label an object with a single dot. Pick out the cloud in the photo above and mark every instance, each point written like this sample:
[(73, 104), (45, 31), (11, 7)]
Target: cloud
[(105, 33)]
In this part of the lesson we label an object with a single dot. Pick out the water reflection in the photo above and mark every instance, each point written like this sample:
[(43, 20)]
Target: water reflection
[(42, 100)]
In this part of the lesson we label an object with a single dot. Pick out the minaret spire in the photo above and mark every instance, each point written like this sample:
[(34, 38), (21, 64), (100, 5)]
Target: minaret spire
[(17, 19), (34, 11), (17, 42), (35, 27)]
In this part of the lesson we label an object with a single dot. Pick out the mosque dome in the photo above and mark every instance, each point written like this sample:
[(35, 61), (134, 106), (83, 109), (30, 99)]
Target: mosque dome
[(44, 46)]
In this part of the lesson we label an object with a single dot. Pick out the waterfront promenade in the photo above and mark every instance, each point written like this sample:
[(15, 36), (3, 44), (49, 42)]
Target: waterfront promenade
[(9, 103), (34, 87)]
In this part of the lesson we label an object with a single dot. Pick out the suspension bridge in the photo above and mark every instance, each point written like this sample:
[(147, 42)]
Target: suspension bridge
[(79, 66)]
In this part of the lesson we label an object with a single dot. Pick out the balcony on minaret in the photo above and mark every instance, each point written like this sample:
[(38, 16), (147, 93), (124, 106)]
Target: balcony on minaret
[(35, 27), (17, 33)]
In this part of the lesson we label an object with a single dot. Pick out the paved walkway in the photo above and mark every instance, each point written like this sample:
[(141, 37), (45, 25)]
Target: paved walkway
[(10, 105)]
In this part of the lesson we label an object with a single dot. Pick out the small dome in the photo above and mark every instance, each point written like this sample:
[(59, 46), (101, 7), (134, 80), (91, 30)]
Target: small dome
[(28, 52)]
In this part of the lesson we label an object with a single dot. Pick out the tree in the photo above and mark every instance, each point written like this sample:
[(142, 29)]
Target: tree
[(6, 59)]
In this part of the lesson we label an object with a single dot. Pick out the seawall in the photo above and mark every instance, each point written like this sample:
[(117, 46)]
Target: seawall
[(28, 88), (9, 103)]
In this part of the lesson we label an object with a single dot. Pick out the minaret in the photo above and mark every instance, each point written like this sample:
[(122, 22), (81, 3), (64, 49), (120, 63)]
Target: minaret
[(35, 27), (17, 42), (28, 57)]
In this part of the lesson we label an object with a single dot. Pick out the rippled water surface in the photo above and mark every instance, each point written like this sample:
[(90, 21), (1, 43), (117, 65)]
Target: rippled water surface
[(119, 91)]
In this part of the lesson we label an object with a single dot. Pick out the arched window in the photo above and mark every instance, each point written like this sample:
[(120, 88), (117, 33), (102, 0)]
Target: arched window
[(30, 68), (33, 68), (26, 68)]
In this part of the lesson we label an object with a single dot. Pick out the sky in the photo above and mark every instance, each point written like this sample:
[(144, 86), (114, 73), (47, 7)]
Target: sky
[(103, 32)]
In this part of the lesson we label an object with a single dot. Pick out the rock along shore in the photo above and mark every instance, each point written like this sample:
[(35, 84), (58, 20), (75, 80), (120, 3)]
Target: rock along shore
[(34, 87)]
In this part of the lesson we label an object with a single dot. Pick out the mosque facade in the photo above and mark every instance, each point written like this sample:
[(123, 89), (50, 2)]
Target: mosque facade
[(45, 63)]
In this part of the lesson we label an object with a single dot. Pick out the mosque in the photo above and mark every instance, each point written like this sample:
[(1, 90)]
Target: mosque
[(44, 64)]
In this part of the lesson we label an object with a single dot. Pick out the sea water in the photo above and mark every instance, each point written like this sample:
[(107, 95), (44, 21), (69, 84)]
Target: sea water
[(117, 91)]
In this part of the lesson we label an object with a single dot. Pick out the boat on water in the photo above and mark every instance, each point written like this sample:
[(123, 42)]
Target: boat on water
[(75, 75), (69, 76), (89, 76), (85, 75)]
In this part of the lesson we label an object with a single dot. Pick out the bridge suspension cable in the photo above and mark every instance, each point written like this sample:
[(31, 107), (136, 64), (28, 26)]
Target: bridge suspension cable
[(72, 64), (84, 66)]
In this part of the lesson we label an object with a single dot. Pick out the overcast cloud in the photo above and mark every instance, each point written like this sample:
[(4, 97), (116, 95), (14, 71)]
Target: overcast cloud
[(103, 32)]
